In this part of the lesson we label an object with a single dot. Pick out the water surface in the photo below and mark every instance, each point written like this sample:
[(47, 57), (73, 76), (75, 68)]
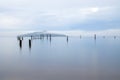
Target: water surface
[(59, 59)]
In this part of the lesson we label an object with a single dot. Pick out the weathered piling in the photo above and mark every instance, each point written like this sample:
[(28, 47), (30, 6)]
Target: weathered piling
[(20, 43), (31, 37), (18, 38), (80, 36), (67, 38), (21, 38), (47, 36), (30, 43), (43, 36), (95, 36), (114, 37), (103, 36), (40, 36), (50, 37)]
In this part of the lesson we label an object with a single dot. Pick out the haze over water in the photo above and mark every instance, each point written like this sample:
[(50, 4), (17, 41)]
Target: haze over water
[(75, 59)]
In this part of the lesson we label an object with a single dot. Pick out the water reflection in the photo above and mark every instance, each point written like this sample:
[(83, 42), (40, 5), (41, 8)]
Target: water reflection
[(95, 41), (81, 60)]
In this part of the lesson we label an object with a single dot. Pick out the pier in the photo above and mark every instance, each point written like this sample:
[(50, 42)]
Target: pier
[(38, 35), (48, 36)]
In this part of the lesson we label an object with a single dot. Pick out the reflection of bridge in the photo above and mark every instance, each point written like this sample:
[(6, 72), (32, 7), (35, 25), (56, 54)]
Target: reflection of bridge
[(38, 35)]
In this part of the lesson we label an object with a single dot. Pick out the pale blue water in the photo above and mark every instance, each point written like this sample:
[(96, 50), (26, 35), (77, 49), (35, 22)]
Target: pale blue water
[(77, 59)]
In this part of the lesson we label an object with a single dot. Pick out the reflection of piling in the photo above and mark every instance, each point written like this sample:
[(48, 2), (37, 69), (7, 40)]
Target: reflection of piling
[(95, 36), (67, 38), (30, 43)]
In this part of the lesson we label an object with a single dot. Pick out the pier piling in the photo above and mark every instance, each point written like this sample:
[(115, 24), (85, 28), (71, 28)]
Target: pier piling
[(80, 36), (67, 39), (95, 36), (20, 43), (30, 43), (47, 37), (114, 37), (50, 37)]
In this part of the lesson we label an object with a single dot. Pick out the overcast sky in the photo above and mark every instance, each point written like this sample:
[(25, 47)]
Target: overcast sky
[(59, 14)]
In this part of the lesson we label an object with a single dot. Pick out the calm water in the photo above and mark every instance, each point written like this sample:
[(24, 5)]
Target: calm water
[(77, 59)]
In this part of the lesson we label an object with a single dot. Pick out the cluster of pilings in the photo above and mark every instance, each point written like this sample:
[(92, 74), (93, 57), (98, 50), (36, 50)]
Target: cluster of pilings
[(95, 36), (48, 36), (41, 36), (20, 39)]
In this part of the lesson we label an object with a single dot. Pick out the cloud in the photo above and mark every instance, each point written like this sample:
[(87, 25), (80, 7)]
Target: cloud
[(13, 22), (9, 21), (71, 16), (55, 14)]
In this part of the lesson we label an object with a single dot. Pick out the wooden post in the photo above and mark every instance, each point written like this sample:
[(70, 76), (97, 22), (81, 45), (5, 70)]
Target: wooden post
[(31, 37), (80, 36), (20, 43), (21, 38), (95, 36), (40, 37), (47, 36), (103, 36), (43, 36), (50, 37), (30, 43), (114, 37), (18, 38), (67, 38)]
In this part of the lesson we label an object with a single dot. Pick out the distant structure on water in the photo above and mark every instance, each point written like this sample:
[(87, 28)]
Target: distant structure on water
[(41, 35), (38, 35)]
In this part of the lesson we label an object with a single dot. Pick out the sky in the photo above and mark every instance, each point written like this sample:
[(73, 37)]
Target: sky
[(59, 15)]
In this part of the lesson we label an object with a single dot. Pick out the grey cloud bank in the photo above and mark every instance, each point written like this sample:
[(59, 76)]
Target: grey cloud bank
[(59, 14)]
